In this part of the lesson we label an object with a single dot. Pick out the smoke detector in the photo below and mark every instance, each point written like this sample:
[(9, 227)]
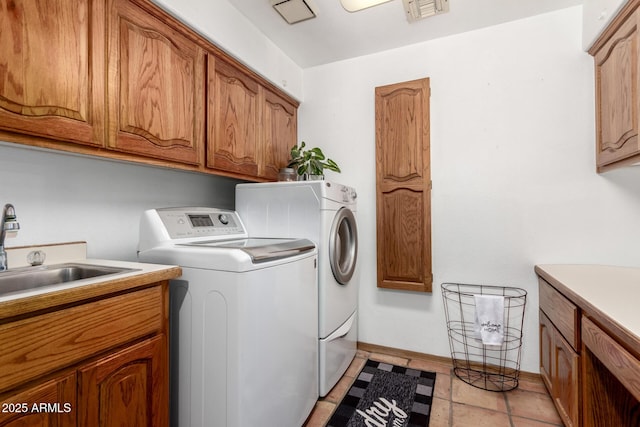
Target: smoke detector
[(295, 10), (420, 9)]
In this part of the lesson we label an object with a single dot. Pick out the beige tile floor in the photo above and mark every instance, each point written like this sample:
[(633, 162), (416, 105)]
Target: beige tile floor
[(456, 404)]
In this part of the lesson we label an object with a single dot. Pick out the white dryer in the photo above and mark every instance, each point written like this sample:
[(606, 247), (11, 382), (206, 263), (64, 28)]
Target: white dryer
[(243, 320), (324, 212)]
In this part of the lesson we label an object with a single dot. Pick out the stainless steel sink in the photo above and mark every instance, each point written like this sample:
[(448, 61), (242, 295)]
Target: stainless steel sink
[(29, 278)]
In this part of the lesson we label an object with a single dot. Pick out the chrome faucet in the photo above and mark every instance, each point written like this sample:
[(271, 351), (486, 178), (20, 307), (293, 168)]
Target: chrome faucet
[(9, 223)]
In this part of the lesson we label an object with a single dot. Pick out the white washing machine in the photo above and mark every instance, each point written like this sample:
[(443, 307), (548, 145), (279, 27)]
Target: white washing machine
[(243, 320), (323, 212)]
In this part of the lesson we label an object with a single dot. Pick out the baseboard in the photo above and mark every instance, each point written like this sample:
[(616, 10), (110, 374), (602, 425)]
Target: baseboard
[(408, 354)]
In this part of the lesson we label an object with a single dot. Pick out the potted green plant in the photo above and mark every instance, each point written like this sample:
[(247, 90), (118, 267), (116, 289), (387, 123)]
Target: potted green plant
[(310, 163)]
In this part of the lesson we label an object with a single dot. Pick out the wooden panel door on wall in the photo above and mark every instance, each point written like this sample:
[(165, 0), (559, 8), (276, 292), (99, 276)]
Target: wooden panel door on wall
[(403, 186), (280, 120), (233, 119), (52, 69), (617, 96), (156, 87)]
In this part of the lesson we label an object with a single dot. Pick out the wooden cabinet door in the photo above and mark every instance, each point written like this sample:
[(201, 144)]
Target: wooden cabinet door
[(559, 368), (617, 100), (233, 119), (547, 351), (52, 69), (280, 131), (156, 87), (403, 186), (54, 400), (128, 388), (566, 385)]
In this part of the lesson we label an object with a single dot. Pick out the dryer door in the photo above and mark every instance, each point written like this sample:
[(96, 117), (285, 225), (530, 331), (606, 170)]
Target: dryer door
[(343, 245)]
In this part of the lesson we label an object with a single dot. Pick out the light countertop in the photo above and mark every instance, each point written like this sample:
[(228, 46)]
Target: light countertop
[(139, 275), (601, 290)]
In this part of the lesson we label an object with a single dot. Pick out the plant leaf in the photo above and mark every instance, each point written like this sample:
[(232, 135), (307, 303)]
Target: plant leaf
[(331, 165), (317, 152)]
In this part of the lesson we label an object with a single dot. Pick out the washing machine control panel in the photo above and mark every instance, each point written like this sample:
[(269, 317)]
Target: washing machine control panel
[(349, 194), (201, 222)]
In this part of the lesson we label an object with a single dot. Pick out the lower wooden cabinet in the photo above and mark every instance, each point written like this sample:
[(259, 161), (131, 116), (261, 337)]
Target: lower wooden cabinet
[(50, 403), (559, 352), (103, 362), (125, 388), (560, 369)]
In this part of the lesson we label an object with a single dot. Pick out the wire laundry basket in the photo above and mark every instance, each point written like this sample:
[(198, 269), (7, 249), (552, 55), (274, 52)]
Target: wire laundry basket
[(490, 367)]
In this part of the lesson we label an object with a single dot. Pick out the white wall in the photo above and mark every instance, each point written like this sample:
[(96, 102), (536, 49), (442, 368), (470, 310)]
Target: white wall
[(513, 169), (62, 197), (222, 24)]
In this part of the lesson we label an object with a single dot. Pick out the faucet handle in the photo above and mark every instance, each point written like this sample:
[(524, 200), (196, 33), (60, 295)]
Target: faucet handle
[(36, 257)]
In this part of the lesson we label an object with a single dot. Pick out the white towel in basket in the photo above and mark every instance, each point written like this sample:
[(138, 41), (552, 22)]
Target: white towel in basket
[(489, 318)]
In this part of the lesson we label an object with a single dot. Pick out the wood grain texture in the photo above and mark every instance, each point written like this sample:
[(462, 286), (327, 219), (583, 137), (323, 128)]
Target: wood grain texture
[(566, 377), (547, 355), (403, 186), (52, 69), (618, 361), (280, 130), (559, 358), (123, 79), (41, 344), (233, 119), (156, 87), (59, 394), (611, 385), (128, 388), (562, 313), (617, 97)]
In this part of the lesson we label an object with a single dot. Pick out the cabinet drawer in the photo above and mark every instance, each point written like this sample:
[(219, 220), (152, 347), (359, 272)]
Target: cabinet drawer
[(562, 313), (41, 344)]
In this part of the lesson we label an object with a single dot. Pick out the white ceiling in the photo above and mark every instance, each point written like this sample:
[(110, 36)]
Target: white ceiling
[(336, 34)]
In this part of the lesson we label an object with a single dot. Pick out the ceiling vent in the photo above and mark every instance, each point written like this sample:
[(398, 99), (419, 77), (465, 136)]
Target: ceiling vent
[(295, 10), (419, 9)]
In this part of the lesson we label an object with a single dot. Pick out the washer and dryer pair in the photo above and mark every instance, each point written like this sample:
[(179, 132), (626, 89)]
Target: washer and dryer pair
[(325, 213), (264, 318), (243, 319)]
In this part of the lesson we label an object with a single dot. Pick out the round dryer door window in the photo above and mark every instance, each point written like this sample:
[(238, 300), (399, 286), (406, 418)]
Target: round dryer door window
[(343, 245)]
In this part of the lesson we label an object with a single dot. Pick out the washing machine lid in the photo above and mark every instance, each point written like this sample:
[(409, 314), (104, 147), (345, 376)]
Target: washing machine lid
[(259, 249)]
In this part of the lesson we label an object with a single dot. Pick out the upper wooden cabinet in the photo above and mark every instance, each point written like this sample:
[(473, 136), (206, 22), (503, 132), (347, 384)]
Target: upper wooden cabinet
[(250, 128), (233, 119), (403, 186), (124, 79), (52, 69), (280, 130), (155, 87), (617, 98)]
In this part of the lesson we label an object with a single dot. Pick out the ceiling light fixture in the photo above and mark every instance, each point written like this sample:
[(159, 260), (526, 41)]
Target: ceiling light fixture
[(356, 5), (295, 10), (419, 9)]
